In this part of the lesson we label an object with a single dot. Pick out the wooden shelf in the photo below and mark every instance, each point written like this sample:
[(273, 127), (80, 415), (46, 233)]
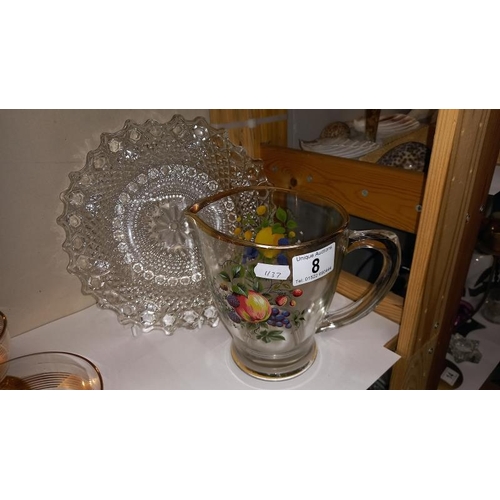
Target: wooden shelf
[(386, 195)]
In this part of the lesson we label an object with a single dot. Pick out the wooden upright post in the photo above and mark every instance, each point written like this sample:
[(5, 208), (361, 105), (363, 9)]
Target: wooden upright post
[(463, 160)]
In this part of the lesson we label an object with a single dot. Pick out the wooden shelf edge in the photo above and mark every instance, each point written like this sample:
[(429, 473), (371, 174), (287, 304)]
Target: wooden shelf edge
[(352, 287), (387, 195), (391, 306)]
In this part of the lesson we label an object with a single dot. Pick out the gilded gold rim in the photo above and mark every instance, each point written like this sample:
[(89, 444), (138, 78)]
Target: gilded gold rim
[(274, 378), (193, 210), (64, 353)]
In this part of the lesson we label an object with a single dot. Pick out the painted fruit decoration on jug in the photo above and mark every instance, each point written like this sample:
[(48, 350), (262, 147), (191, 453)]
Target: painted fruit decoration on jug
[(254, 299)]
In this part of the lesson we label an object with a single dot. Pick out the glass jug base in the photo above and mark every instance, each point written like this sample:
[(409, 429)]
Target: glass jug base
[(272, 370)]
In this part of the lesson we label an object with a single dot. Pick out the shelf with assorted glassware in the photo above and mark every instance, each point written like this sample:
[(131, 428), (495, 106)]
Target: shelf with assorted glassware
[(397, 140)]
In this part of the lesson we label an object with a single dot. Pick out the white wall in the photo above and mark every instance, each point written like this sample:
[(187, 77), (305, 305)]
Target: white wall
[(38, 149)]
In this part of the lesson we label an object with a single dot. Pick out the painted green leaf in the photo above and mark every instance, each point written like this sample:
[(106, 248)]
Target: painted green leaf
[(281, 286), (240, 289), (270, 336), (224, 276), (236, 271), (251, 272), (274, 335), (291, 224), (278, 229), (298, 317), (257, 286), (281, 214)]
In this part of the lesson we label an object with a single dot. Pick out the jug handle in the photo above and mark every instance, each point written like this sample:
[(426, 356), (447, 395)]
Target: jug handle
[(385, 242)]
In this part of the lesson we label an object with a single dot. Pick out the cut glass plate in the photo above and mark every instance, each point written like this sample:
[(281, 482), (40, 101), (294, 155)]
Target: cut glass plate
[(126, 236)]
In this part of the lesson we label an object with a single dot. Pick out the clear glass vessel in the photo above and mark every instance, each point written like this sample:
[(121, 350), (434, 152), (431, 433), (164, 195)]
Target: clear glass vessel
[(50, 370), (273, 259)]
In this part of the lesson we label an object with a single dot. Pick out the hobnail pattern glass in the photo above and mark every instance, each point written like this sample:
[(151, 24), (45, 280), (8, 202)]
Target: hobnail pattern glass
[(127, 238)]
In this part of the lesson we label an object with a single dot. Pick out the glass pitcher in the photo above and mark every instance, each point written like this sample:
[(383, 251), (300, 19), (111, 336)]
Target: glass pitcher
[(272, 260)]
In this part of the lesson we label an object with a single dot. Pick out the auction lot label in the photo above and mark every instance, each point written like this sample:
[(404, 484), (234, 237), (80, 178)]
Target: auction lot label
[(312, 266)]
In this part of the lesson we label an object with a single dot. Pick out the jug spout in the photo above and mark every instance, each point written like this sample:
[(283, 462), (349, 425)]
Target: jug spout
[(191, 217), (211, 216), (202, 228)]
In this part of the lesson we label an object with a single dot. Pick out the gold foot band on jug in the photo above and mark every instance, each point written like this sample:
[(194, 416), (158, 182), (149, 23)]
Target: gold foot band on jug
[(277, 372)]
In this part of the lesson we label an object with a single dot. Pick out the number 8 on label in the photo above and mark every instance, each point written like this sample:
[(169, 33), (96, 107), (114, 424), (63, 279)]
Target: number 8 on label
[(315, 267)]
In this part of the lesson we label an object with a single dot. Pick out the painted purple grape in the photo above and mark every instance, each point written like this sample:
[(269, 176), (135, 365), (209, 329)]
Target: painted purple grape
[(233, 300), (233, 316), (279, 318)]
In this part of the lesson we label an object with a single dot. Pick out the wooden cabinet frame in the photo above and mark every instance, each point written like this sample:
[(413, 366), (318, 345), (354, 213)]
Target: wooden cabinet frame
[(443, 208)]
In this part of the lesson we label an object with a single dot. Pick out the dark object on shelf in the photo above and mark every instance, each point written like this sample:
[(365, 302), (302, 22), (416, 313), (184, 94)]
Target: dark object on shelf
[(372, 117), (464, 321), (336, 129), (489, 237), (489, 243), (408, 155)]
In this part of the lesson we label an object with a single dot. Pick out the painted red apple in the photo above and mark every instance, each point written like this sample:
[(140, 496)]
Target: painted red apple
[(281, 300), (254, 308), (297, 292)]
